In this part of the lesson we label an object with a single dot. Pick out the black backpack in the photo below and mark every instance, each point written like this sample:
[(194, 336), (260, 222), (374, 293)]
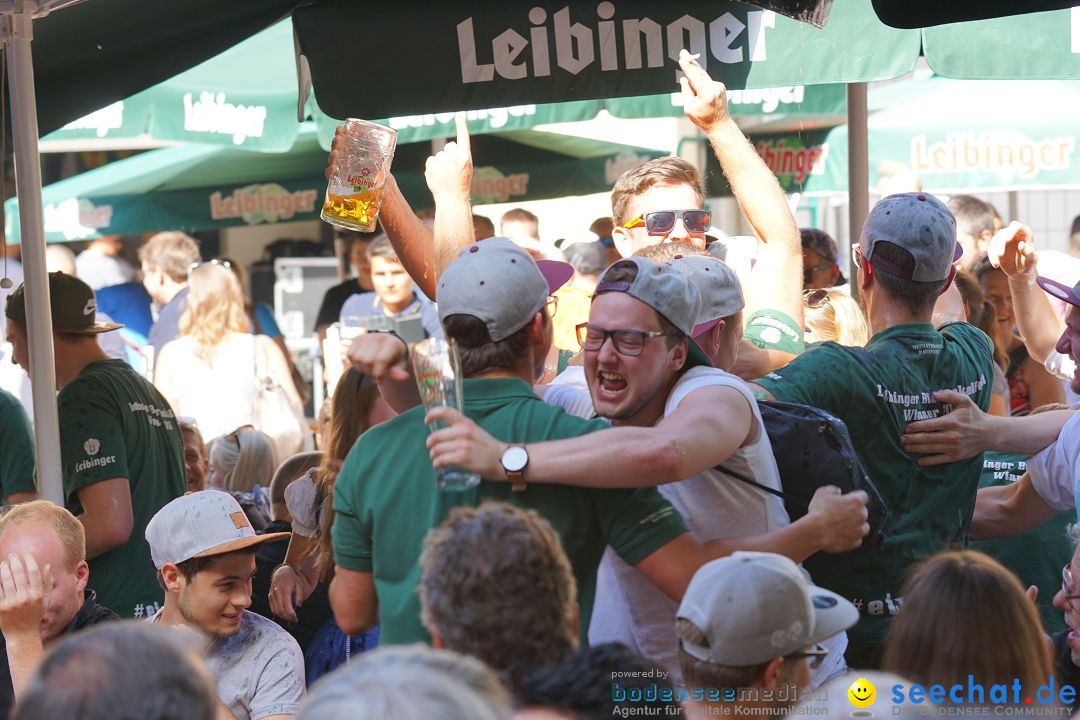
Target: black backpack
[(812, 448)]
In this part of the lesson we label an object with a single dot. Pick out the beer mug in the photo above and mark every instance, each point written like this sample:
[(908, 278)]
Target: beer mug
[(354, 193), (438, 377)]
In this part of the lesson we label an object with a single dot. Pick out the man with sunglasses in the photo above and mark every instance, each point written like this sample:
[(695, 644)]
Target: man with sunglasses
[(821, 266), (731, 652), (662, 201), (905, 262)]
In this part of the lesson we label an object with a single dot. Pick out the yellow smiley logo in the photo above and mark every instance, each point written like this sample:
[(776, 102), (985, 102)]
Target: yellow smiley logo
[(862, 693)]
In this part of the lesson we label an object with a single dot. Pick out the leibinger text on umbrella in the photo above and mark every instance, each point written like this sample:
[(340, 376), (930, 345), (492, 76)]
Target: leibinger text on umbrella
[(212, 114), (1005, 151), (726, 39), (268, 202)]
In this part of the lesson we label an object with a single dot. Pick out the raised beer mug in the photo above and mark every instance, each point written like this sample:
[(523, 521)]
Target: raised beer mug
[(354, 194)]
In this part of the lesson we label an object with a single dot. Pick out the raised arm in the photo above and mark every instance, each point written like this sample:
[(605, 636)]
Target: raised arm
[(383, 356), (449, 177), (777, 275), (1013, 250)]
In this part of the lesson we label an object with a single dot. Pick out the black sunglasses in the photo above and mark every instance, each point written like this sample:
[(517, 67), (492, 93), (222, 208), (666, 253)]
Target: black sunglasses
[(662, 221)]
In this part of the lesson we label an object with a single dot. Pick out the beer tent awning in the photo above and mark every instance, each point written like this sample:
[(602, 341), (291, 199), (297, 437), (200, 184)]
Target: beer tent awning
[(954, 134), (201, 187)]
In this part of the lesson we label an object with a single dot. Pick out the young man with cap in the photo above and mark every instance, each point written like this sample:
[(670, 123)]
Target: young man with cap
[(821, 266), (122, 454), (672, 422), (203, 547), (492, 302), (905, 261), (750, 628)]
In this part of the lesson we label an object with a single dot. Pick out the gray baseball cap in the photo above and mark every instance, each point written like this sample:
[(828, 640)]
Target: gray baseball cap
[(497, 281), (721, 292), (667, 291), (753, 607), (200, 524), (922, 225)]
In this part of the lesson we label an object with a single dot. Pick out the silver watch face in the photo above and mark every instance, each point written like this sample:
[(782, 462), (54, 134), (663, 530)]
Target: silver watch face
[(515, 458)]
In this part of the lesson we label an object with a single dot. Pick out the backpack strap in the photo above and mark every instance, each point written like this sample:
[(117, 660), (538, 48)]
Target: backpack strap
[(778, 493)]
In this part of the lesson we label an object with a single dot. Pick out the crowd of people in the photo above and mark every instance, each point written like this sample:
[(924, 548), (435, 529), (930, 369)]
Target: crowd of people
[(632, 547)]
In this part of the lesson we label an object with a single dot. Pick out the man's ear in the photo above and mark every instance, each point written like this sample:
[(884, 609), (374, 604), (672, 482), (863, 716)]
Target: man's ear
[(868, 274), (952, 276), (621, 237), (171, 577), (770, 676), (82, 575), (679, 355), (715, 336)]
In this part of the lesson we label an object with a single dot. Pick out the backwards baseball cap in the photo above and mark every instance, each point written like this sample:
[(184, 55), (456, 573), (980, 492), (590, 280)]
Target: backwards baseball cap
[(1060, 290), (667, 291), (74, 308), (753, 607), (497, 281), (823, 244), (721, 292), (201, 524), (919, 223)]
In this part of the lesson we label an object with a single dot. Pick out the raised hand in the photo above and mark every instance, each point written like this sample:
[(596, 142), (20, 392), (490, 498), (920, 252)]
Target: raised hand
[(704, 99), (449, 171), (1013, 250)]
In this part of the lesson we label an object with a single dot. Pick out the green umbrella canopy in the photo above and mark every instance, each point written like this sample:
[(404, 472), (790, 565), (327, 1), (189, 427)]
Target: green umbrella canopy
[(247, 97), (200, 187), (244, 97), (953, 134)]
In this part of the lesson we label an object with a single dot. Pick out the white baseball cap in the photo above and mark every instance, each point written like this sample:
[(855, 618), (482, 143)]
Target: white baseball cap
[(755, 606), (200, 524)]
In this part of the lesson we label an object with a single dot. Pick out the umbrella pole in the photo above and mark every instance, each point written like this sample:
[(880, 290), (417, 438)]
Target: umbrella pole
[(858, 170), (17, 35)]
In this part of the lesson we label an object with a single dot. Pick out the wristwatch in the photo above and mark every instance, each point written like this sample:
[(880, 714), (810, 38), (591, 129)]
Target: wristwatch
[(513, 461)]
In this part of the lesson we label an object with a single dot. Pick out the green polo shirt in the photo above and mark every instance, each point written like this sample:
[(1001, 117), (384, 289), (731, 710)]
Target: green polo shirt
[(1036, 556), (877, 391), (17, 441), (115, 424), (385, 502)]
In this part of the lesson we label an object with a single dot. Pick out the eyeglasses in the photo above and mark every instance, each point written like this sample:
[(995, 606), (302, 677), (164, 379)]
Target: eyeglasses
[(1066, 583), (626, 342), (223, 263), (552, 305), (856, 256), (816, 656), (235, 434), (662, 221), (808, 272), (815, 298)]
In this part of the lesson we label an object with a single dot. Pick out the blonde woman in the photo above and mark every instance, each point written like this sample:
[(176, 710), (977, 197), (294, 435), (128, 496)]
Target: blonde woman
[(832, 315), (209, 372)]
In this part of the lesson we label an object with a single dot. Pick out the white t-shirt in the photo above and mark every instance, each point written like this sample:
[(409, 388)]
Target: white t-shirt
[(259, 671), (1055, 471), (628, 608)]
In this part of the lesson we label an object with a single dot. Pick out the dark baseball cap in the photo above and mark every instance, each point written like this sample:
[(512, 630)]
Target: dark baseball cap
[(74, 307)]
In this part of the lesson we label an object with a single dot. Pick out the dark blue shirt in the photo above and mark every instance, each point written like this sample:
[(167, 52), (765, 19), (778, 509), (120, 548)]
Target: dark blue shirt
[(167, 326)]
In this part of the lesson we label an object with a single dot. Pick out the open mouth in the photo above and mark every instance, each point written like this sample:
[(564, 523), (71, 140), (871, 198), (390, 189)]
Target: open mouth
[(610, 384)]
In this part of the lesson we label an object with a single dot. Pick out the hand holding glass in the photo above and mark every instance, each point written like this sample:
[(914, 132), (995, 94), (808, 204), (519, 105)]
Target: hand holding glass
[(438, 377)]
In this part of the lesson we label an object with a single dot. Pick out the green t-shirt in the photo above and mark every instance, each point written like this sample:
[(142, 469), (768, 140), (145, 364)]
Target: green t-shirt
[(385, 502), (17, 441), (877, 391), (1036, 556), (113, 423), (774, 330)]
